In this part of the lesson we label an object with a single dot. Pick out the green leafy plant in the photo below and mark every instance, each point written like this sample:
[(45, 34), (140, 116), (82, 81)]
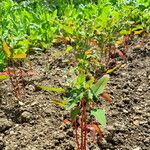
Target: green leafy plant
[(14, 69), (82, 101)]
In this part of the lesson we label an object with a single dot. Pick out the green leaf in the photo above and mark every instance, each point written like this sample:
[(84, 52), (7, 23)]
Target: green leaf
[(125, 32), (2, 77), (99, 114), (60, 103), (68, 29), (68, 49), (90, 95), (99, 87), (74, 112), (75, 101), (89, 83), (80, 80), (53, 89)]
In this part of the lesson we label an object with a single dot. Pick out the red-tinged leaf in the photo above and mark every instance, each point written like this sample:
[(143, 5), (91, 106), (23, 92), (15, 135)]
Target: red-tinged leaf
[(20, 56), (121, 54), (106, 97), (94, 128), (92, 131), (3, 73), (12, 72), (31, 73), (66, 121), (8, 72), (98, 130), (72, 63)]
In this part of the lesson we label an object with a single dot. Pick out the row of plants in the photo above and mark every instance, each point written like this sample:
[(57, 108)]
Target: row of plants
[(91, 31), (31, 24)]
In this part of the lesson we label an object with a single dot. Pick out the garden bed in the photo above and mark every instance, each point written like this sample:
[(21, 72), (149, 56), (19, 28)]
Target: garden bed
[(34, 123)]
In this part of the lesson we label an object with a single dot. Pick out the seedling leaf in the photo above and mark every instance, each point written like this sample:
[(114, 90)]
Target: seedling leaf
[(53, 89), (98, 130), (74, 112), (80, 81), (60, 103), (75, 101), (6, 49), (99, 87), (89, 83), (99, 114)]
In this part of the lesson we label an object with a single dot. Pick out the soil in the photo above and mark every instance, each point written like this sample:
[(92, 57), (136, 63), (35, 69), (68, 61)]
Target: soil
[(34, 123)]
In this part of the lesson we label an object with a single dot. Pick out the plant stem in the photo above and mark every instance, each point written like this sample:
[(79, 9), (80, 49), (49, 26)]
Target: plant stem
[(85, 131), (83, 125), (76, 134), (82, 146)]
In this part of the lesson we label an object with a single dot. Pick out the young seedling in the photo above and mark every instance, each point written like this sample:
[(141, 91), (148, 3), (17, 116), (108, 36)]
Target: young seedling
[(82, 101), (83, 104), (14, 71)]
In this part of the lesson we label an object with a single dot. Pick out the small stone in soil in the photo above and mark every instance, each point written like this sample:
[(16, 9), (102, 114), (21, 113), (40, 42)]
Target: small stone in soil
[(5, 124), (26, 116), (137, 148), (2, 144)]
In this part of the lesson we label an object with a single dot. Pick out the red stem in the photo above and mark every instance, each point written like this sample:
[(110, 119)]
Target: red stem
[(17, 88), (76, 134), (85, 131), (82, 130), (22, 81), (83, 125)]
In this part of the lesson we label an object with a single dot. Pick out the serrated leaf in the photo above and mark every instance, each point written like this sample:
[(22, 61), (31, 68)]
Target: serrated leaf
[(53, 89), (74, 112), (99, 114), (99, 87)]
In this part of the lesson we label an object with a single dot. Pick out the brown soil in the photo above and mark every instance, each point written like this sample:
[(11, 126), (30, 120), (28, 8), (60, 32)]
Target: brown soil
[(34, 123)]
